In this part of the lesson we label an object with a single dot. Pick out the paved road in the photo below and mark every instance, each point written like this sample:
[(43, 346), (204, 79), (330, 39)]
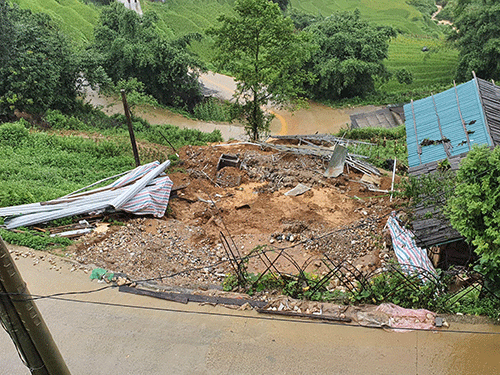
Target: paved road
[(158, 337)]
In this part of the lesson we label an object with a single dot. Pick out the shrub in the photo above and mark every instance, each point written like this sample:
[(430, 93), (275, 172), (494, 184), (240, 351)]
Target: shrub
[(57, 120), (404, 76), (473, 209), (213, 109), (13, 134)]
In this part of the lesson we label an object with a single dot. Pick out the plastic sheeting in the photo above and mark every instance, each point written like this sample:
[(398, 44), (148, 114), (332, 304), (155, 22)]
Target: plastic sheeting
[(142, 192), (406, 319), (412, 258)]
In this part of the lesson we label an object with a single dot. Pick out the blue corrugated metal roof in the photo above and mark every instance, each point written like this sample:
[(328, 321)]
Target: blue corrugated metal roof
[(424, 118)]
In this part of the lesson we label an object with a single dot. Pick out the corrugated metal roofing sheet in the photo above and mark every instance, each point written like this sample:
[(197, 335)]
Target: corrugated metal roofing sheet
[(148, 194), (443, 109)]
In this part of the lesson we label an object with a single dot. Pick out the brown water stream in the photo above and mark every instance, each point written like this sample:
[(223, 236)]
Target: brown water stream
[(316, 118)]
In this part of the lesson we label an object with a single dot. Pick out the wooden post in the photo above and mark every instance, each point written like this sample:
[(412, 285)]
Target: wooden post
[(393, 175), (37, 343), (130, 129)]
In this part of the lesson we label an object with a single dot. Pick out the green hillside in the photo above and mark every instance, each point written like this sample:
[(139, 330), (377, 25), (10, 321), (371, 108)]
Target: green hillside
[(75, 18), (180, 17), (396, 13), (430, 69)]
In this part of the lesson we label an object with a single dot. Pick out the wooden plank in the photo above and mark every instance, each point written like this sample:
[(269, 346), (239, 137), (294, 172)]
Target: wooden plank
[(309, 316), (186, 297)]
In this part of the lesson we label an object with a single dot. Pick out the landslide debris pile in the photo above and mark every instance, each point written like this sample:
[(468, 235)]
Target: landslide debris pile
[(338, 217)]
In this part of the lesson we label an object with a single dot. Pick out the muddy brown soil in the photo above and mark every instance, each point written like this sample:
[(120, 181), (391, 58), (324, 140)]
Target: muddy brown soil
[(245, 205)]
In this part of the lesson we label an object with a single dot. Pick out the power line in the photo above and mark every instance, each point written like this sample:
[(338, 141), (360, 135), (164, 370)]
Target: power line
[(219, 314)]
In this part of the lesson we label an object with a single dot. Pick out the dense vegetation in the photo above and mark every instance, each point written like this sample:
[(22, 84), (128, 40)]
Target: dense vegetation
[(129, 46), (38, 67), (348, 58), (262, 51), (473, 208), (478, 39)]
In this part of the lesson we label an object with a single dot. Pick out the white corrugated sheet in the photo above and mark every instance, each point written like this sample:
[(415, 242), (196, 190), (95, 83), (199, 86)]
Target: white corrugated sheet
[(142, 191)]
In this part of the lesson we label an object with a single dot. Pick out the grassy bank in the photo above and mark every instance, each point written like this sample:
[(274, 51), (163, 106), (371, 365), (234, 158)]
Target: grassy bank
[(75, 18)]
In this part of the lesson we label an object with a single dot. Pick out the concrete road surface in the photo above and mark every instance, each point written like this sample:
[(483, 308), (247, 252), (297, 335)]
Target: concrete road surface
[(109, 332)]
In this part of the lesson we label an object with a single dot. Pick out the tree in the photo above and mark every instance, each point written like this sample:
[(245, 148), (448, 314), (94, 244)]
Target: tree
[(350, 54), (283, 4), (474, 208), (477, 38), (302, 19), (38, 69), (264, 53), (131, 47)]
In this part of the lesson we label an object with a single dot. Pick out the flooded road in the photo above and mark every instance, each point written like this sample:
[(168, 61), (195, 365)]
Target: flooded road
[(158, 116), (316, 118), (112, 332)]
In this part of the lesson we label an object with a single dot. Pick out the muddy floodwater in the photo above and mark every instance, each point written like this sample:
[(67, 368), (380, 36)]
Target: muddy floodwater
[(158, 116), (315, 118)]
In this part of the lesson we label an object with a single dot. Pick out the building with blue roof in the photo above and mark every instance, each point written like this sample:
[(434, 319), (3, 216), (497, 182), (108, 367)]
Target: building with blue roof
[(445, 126)]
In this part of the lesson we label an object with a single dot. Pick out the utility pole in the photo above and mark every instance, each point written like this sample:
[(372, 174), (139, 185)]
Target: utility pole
[(130, 129), (24, 323)]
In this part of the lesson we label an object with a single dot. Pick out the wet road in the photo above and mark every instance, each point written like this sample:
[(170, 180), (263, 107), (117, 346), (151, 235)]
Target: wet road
[(112, 332)]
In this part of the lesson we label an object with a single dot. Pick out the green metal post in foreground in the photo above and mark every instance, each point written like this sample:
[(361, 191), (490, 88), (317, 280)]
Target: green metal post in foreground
[(37, 342)]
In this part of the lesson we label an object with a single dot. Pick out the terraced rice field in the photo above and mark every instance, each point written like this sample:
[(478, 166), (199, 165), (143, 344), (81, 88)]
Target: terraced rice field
[(431, 69), (75, 18), (180, 17), (395, 13)]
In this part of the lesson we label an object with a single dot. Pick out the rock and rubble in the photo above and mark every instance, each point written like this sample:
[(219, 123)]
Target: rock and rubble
[(338, 217)]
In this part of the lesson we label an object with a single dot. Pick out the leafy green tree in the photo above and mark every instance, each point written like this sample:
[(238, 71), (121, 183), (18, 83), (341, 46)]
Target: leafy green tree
[(350, 54), (478, 38), (283, 4), (474, 208), (302, 19), (38, 69), (261, 49), (131, 47)]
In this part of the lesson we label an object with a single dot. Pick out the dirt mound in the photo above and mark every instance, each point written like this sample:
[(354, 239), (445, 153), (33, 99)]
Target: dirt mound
[(245, 201)]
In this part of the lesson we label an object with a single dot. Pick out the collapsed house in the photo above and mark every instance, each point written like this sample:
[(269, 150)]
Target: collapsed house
[(141, 191), (389, 117), (444, 127)]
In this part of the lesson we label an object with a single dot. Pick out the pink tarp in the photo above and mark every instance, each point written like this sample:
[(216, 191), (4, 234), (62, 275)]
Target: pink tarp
[(403, 319)]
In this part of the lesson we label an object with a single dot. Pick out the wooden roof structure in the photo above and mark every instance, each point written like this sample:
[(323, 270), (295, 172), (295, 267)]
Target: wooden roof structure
[(389, 117)]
